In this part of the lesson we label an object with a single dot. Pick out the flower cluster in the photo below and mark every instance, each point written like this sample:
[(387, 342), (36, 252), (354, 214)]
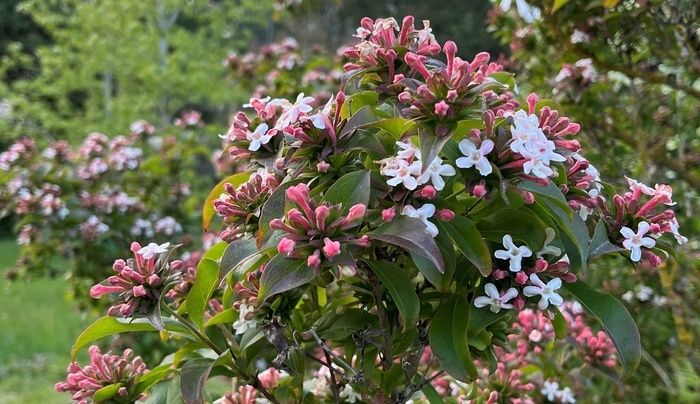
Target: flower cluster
[(240, 208), (140, 281), (105, 370), (575, 76), (313, 231)]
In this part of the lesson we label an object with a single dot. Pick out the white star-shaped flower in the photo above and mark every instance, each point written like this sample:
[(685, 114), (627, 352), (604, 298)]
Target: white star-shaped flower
[(513, 253), (547, 291), (153, 249), (635, 241), (291, 114), (403, 173), (242, 324), (259, 136), (494, 299), (434, 173), (475, 157)]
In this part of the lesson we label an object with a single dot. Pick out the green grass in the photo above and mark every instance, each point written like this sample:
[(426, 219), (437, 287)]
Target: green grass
[(37, 327)]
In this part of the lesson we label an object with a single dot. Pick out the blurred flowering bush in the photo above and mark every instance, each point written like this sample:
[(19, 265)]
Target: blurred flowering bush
[(86, 203), (412, 238), (629, 69)]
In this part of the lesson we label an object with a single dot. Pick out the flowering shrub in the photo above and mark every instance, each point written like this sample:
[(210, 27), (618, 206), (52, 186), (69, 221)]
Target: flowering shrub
[(385, 240), (85, 204)]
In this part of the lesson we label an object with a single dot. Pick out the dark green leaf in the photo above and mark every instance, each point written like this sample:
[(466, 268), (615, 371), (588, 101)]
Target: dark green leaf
[(431, 394), (522, 225), (400, 288), (615, 319), (225, 317), (349, 190), (448, 338), (338, 326), (205, 282), (273, 209), (395, 126), (470, 242), (194, 374), (154, 376), (410, 234), (357, 101), (106, 326), (428, 269), (237, 251), (600, 244), (359, 119), (430, 146), (283, 274)]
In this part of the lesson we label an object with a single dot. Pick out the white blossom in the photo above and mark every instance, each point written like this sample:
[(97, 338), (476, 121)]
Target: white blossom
[(475, 157), (494, 299), (434, 173), (635, 241), (547, 291), (403, 172), (260, 136), (349, 395), (153, 249), (548, 249), (292, 113), (513, 253), (242, 324)]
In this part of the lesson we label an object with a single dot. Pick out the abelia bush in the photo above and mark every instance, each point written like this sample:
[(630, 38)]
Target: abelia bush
[(380, 246), (84, 204)]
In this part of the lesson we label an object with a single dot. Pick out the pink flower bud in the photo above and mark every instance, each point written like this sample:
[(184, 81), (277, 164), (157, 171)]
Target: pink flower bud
[(441, 108), (398, 78), (98, 290), (405, 97), (532, 100), (322, 212), (356, 212), (363, 241), (427, 192), (541, 265), (452, 95), (314, 260), (285, 246), (445, 215), (388, 214), (479, 190), (135, 247), (323, 167), (139, 291), (521, 277), (330, 248), (519, 302), (269, 378), (499, 274)]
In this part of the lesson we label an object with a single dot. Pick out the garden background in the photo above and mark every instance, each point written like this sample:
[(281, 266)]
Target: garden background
[(627, 70)]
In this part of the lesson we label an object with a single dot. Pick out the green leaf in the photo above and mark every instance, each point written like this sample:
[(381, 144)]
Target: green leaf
[(154, 376), (410, 234), (481, 318), (470, 242), (572, 231), (395, 126), (505, 78), (465, 126), (431, 394), (522, 225), (558, 4), (600, 244), (400, 288), (193, 375), (106, 392), (204, 284), (349, 190), (430, 146), (338, 326), (358, 100), (615, 319), (363, 117), (224, 317), (208, 208), (216, 251), (428, 269), (561, 327), (283, 274), (236, 252), (448, 339), (106, 326)]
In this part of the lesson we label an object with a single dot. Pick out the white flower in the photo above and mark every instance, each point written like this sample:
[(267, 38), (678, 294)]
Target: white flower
[(349, 395), (494, 299), (673, 224), (639, 186), (546, 248), (291, 115), (566, 396), (644, 293), (423, 213), (318, 119), (403, 173), (550, 390), (579, 37), (628, 296), (544, 290), (259, 136), (635, 241), (318, 386), (475, 157), (242, 324), (435, 171), (408, 151), (513, 253), (153, 249)]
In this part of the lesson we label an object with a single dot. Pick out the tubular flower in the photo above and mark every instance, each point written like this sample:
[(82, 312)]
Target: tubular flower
[(240, 208), (140, 281), (104, 370), (313, 231)]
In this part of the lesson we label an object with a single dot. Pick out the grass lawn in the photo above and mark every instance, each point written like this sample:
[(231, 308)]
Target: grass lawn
[(37, 328)]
